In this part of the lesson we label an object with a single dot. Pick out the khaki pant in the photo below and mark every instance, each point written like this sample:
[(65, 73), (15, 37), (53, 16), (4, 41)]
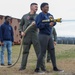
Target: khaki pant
[(31, 38)]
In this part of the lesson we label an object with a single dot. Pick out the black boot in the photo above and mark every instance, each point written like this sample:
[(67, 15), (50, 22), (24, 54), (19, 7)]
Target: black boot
[(21, 69), (56, 69), (37, 70)]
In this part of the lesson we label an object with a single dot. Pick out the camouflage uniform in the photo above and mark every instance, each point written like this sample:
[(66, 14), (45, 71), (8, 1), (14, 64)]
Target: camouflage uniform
[(31, 37)]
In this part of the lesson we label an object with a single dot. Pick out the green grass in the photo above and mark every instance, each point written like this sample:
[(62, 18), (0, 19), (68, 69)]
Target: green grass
[(64, 52)]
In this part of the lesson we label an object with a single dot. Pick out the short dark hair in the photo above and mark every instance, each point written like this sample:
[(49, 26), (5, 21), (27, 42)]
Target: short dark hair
[(43, 4), (33, 4), (7, 17)]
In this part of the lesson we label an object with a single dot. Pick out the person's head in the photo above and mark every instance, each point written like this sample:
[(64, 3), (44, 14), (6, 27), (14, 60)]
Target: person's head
[(7, 19), (44, 7), (34, 7)]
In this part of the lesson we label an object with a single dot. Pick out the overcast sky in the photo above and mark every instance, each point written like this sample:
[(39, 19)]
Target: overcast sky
[(59, 8)]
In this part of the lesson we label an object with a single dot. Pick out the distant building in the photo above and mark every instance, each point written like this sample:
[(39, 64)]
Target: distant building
[(15, 24), (17, 40)]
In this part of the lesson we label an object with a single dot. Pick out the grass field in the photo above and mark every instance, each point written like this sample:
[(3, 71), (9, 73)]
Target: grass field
[(65, 55)]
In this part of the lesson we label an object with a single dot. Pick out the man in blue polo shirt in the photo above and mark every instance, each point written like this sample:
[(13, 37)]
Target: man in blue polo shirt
[(7, 40), (45, 38), (0, 34)]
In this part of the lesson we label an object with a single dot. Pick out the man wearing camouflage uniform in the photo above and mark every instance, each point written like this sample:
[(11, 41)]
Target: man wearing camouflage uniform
[(31, 36)]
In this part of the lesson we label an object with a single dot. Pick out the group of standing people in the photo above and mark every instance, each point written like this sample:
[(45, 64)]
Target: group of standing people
[(42, 40)]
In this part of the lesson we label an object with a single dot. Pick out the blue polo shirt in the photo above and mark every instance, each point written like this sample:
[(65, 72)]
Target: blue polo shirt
[(44, 28), (7, 32), (0, 34)]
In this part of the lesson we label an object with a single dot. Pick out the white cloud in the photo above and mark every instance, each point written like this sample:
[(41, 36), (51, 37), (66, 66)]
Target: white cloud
[(59, 8)]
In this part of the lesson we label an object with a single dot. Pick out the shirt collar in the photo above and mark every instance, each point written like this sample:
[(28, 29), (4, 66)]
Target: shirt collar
[(6, 23)]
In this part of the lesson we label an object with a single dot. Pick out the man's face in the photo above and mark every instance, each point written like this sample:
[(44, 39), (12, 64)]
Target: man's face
[(34, 8), (8, 19), (45, 8)]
